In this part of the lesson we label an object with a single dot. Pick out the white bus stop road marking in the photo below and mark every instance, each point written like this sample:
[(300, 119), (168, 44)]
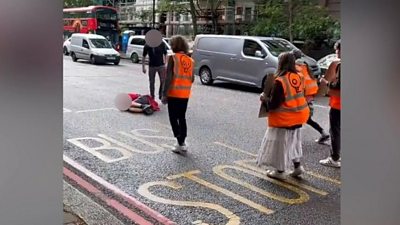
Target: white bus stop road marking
[(89, 110)]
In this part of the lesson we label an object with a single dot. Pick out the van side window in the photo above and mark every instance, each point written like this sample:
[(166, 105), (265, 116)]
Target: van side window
[(250, 47), (138, 41), (85, 44)]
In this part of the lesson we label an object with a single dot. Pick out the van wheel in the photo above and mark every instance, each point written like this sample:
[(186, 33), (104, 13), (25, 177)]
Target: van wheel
[(92, 60), (73, 56), (65, 51), (134, 58), (205, 76)]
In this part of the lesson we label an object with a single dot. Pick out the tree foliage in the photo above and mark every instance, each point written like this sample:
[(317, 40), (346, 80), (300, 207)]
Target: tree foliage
[(310, 21), (77, 3)]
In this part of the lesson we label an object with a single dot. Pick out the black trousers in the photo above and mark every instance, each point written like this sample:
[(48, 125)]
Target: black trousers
[(334, 120), (314, 125), (177, 117), (152, 79), (310, 121)]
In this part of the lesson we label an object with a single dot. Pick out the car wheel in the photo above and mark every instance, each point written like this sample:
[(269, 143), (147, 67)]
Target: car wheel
[(205, 76), (116, 63), (73, 56), (135, 58), (92, 60), (65, 51)]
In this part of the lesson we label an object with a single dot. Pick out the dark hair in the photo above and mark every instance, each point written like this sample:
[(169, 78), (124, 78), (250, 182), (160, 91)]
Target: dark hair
[(337, 45), (179, 44), (297, 53), (286, 63)]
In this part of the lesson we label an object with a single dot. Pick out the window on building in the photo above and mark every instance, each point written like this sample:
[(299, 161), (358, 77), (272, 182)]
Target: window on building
[(247, 15), (239, 11)]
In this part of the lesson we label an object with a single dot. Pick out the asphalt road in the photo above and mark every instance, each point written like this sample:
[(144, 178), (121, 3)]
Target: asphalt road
[(215, 183)]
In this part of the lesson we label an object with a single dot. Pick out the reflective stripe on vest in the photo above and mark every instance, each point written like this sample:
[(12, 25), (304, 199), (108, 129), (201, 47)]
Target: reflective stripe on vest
[(311, 84), (294, 110), (181, 83)]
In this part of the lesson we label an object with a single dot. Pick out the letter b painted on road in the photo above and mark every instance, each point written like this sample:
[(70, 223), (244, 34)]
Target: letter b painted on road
[(99, 151)]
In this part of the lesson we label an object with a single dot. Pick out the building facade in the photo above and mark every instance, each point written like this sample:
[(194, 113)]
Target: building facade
[(221, 17), (217, 17), (333, 7)]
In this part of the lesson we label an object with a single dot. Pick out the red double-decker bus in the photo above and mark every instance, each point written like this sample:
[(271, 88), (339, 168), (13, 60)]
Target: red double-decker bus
[(102, 20)]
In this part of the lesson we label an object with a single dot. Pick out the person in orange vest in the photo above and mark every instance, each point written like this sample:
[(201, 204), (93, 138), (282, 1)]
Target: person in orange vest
[(332, 80), (177, 90), (311, 91), (288, 112)]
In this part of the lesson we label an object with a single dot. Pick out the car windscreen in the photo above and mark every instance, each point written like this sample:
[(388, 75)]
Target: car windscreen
[(99, 43), (276, 47)]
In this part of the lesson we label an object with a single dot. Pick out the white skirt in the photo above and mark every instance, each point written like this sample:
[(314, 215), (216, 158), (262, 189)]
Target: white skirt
[(279, 148)]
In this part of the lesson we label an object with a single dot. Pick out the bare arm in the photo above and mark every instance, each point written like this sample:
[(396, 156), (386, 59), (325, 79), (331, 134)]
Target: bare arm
[(144, 59), (169, 75), (330, 74)]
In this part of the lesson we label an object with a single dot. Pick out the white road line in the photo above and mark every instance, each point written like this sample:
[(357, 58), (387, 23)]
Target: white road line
[(95, 110), (66, 110)]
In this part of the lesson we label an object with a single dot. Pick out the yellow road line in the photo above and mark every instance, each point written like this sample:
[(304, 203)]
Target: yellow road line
[(144, 191), (302, 196), (323, 177), (337, 182), (191, 176)]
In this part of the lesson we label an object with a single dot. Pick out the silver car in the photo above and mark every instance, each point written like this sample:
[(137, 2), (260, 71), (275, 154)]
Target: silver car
[(244, 60)]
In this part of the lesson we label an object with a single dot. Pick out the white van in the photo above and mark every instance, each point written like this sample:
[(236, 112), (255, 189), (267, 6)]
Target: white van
[(92, 47), (136, 45)]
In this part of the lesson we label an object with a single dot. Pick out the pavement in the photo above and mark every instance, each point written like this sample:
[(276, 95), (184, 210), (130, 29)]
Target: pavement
[(118, 168), (70, 218)]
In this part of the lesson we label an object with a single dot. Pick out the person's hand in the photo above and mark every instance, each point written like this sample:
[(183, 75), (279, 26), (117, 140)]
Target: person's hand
[(144, 69), (323, 81), (164, 100), (262, 97)]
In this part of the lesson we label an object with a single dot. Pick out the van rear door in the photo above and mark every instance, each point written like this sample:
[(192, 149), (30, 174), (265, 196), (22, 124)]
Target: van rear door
[(219, 54)]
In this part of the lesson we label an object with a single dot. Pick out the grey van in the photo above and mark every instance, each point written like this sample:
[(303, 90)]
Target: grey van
[(244, 60)]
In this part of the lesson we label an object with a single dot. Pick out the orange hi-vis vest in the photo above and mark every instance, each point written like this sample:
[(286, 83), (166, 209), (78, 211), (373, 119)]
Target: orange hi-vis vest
[(181, 83), (294, 110), (334, 95), (311, 84)]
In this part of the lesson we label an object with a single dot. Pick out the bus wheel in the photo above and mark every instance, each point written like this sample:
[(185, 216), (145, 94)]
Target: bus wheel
[(73, 56), (92, 60), (134, 58)]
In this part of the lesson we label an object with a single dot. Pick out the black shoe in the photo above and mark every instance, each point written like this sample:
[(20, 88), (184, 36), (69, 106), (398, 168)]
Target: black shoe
[(322, 139)]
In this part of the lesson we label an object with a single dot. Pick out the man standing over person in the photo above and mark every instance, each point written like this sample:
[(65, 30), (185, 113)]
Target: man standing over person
[(157, 59)]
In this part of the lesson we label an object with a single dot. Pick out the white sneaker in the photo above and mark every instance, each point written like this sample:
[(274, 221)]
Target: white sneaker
[(177, 149), (330, 162), (180, 148), (275, 174), (297, 171)]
